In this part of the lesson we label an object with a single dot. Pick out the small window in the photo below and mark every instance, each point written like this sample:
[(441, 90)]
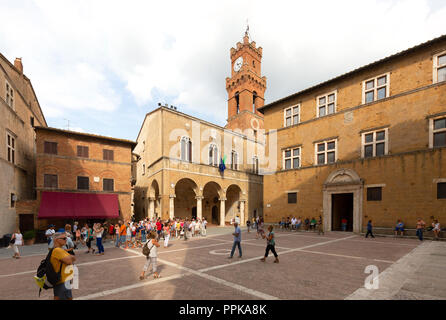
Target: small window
[(108, 184), (13, 200), (374, 194), (326, 104), (9, 95), (439, 61), (213, 155), (291, 158), (82, 151), (143, 169), (83, 183), (376, 88), (50, 147), (108, 155), (10, 147), (186, 149), (255, 164), (441, 190), (31, 121), (375, 143), (234, 160), (237, 101), (292, 197), (291, 116), (326, 152), (50, 181), (438, 129)]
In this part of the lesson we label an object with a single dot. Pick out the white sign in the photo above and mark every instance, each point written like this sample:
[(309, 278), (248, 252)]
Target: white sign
[(96, 179)]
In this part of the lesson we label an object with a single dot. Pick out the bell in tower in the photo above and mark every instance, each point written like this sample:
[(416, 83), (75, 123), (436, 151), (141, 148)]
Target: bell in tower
[(246, 87)]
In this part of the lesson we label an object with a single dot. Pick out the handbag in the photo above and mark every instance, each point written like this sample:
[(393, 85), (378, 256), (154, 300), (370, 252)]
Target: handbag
[(12, 241)]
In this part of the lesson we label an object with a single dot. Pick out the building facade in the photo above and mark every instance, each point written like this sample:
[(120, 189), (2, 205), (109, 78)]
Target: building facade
[(19, 113), (179, 172), (81, 177), (367, 145)]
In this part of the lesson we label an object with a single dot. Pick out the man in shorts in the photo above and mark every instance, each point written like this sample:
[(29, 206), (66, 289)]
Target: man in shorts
[(62, 260)]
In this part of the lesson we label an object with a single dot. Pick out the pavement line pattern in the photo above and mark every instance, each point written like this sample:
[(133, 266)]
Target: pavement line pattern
[(320, 253), (114, 259), (393, 278), (281, 252), (243, 289), (129, 287)]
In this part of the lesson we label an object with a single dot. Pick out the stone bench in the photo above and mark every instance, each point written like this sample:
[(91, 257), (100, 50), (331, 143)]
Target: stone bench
[(408, 233)]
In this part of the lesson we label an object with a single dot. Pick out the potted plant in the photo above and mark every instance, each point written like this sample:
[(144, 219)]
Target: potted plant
[(29, 237)]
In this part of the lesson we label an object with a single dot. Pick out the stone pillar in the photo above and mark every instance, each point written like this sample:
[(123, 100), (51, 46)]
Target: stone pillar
[(199, 207), (171, 206), (242, 213), (151, 207), (222, 212)]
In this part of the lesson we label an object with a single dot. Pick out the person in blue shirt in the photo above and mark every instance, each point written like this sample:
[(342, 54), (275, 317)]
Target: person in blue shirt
[(399, 227), (369, 229), (237, 240)]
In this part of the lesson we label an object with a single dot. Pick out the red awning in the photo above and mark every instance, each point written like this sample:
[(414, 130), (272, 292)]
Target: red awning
[(68, 205)]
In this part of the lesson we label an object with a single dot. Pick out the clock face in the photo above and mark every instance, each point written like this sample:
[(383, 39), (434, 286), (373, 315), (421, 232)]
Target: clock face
[(238, 64)]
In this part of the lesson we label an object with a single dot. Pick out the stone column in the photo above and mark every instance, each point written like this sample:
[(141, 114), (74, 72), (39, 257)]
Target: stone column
[(242, 213), (199, 207), (222, 212), (171, 206), (151, 207)]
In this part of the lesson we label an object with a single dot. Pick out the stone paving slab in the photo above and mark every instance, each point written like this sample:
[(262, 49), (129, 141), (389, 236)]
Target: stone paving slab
[(311, 267)]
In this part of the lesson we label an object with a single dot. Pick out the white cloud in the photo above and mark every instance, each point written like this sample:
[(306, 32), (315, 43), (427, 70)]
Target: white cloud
[(77, 53)]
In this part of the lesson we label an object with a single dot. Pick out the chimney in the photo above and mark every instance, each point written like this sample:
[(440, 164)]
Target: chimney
[(18, 64)]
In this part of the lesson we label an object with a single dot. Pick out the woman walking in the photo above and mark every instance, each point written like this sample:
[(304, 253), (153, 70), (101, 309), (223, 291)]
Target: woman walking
[(89, 238), (436, 229), (270, 245), (166, 235), (98, 230), (152, 244), (17, 237)]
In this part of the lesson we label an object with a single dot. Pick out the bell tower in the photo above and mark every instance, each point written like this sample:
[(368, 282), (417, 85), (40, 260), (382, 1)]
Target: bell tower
[(246, 87)]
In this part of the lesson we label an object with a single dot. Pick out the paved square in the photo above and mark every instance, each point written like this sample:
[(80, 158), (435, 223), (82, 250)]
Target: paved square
[(331, 266)]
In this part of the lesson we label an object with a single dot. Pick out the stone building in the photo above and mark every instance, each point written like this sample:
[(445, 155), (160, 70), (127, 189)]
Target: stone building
[(81, 177), (366, 145), (178, 170), (19, 112)]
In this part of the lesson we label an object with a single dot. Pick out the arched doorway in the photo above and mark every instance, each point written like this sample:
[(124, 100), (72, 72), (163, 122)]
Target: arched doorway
[(342, 193), (185, 200), (154, 208), (233, 195), (211, 202), (215, 215)]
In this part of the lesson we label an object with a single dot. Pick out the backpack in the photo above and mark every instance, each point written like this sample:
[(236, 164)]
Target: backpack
[(146, 249), (46, 276)]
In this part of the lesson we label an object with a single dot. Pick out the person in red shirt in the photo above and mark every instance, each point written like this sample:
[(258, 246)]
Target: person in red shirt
[(159, 228), (111, 232)]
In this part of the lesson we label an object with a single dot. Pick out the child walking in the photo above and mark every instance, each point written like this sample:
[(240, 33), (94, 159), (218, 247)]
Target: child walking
[(270, 245), (152, 244)]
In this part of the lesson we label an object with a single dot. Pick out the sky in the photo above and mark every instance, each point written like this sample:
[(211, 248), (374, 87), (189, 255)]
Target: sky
[(100, 66)]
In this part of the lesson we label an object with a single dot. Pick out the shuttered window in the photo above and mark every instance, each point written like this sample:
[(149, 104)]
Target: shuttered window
[(50, 181), (50, 147), (108, 155), (108, 184), (83, 183), (82, 151)]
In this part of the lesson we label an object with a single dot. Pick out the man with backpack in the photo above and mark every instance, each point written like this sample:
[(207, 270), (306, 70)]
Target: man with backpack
[(60, 259)]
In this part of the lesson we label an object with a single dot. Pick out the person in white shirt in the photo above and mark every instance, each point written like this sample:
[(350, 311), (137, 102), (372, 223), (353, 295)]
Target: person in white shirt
[(203, 227), (436, 229), (293, 223), (192, 227), (152, 244), (18, 241)]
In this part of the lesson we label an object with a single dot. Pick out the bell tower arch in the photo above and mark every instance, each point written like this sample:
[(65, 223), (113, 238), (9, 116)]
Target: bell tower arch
[(246, 87)]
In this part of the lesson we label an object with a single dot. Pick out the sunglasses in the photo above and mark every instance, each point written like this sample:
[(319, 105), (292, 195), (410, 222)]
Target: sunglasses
[(62, 238)]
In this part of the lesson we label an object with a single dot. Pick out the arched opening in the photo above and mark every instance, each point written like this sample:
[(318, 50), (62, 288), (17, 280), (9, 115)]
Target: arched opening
[(237, 101), (254, 96), (211, 202), (185, 198), (233, 194), (154, 210)]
